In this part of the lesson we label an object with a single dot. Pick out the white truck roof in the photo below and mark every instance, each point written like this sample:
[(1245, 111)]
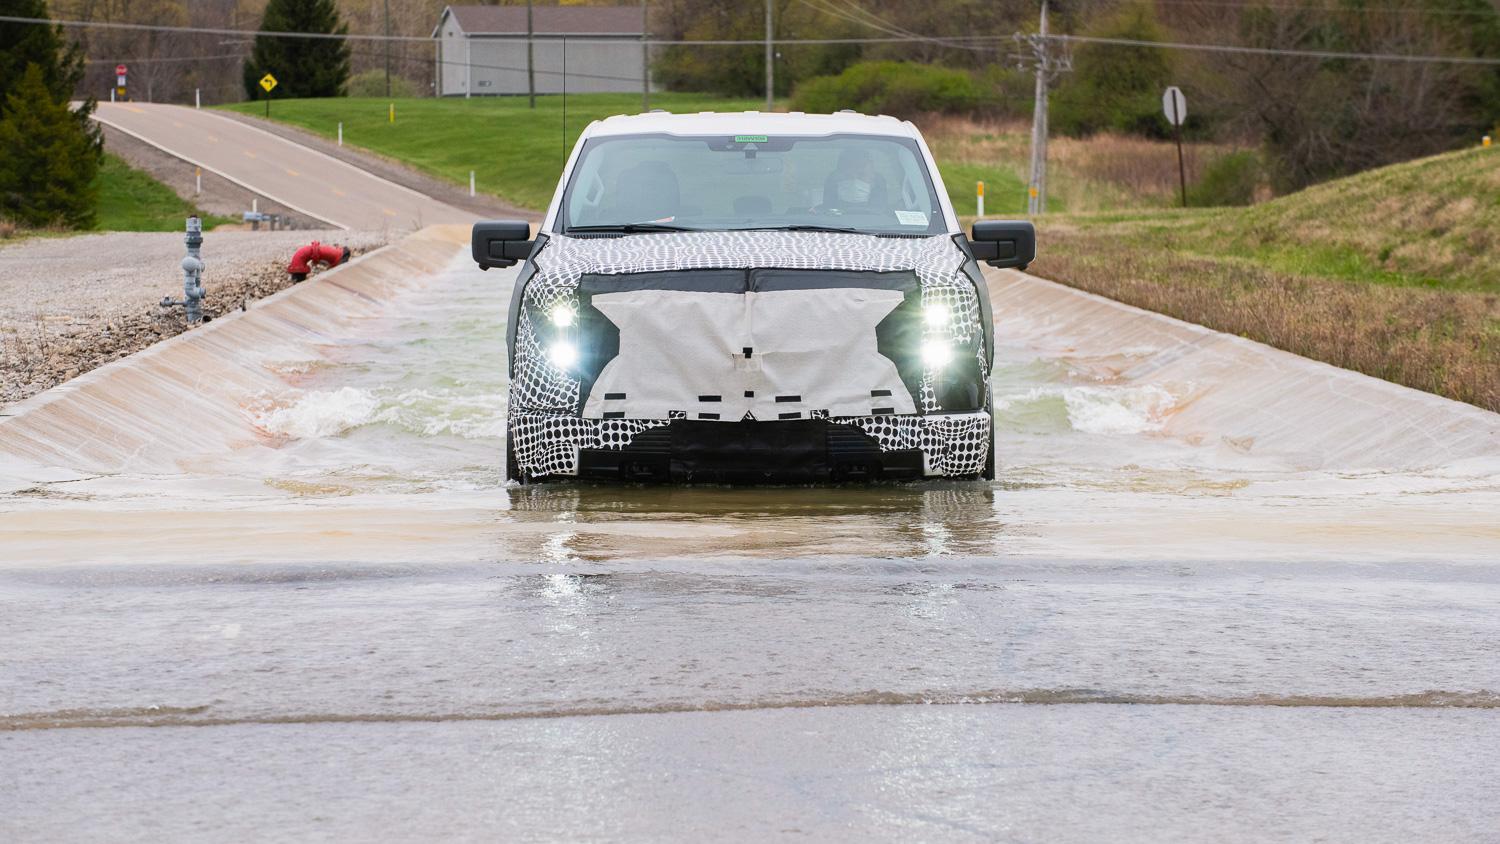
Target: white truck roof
[(751, 123)]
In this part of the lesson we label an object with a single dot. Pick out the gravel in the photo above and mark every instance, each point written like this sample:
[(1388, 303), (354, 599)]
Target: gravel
[(70, 304)]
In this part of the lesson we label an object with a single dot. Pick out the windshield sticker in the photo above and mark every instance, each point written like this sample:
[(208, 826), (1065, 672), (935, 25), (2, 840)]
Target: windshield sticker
[(911, 218), (749, 139)]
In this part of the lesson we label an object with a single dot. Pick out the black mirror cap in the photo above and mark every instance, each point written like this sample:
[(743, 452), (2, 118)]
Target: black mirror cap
[(501, 243), (1008, 244)]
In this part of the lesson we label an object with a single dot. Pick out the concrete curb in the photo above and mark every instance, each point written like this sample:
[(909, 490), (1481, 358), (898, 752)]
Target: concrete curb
[(1247, 397), (110, 419)]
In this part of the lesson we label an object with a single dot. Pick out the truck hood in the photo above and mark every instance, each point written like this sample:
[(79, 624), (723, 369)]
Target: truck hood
[(935, 259)]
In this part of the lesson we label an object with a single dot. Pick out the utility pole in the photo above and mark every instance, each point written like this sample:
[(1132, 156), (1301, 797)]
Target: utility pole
[(1046, 66), (530, 72), (645, 56), (770, 63), (387, 49)]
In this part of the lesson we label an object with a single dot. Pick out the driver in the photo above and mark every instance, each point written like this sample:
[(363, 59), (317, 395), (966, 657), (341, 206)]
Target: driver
[(854, 185)]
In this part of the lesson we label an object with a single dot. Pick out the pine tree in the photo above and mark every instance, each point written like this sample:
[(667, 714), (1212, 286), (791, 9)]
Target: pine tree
[(61, 62), (47, 162), (303, 67)]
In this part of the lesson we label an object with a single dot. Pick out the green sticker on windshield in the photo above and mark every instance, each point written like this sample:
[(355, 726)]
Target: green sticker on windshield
[(749, 139)]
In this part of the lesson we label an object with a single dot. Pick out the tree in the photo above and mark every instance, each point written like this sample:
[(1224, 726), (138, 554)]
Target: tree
[(303, 67), (47, 162), (1113, 86), (1320, 118), (60, 62)]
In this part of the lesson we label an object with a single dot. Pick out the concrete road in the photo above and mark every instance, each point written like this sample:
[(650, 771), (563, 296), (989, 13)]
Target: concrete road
[(300, 178), (267, 580)]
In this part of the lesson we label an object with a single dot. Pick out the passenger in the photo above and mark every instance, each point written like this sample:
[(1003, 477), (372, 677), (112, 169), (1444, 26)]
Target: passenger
[(854, 185)]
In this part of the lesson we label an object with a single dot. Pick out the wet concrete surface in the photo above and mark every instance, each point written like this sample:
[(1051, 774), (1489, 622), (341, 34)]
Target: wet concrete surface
[(353, 626)]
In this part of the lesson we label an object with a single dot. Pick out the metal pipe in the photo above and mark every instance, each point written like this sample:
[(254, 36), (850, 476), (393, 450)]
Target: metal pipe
[(770, 63)]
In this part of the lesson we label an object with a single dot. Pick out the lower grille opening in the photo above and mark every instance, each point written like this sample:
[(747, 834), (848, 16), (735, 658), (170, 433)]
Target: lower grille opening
[(796, 451)]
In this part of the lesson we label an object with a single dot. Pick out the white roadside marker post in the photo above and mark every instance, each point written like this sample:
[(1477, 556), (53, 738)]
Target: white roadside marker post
[(197, 98), (197, 180), (979, 209), (471, 183), (341, 133)]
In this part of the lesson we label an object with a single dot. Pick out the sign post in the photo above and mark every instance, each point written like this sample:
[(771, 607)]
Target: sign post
[(268, 82), (120, 71), (1174, 104)]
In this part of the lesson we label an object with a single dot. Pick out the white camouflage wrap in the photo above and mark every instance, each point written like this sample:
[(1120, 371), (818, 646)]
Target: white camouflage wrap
[(546, 428)]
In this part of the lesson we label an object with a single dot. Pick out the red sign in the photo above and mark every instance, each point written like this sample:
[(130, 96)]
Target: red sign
[(119, 70)]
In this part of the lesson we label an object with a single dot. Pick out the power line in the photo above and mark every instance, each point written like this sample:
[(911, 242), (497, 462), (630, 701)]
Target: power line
[(1308, 7), (863, 18), (1279, 51), (1083, 39)]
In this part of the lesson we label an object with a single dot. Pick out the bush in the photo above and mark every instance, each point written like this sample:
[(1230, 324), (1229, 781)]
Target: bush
[(371, 83), (48, 159), (1115, 87), (901, 89), (1230, 179), (303, 67)]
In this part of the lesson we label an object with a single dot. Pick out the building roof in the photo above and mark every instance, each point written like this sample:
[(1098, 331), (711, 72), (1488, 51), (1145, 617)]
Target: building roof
[(752, 122), (546, 20)]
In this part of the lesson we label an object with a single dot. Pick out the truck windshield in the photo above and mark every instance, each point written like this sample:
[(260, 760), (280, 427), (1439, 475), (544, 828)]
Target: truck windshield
[(654, 182)]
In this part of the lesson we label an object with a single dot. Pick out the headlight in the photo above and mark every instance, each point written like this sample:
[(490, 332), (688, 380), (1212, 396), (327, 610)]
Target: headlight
[(563, 315), (936, 353), (936, 315), (562, 354)]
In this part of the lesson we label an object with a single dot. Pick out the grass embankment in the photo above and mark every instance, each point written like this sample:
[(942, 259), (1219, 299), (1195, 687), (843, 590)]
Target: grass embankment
[(517, 153), (1394, 272), (131, 201)]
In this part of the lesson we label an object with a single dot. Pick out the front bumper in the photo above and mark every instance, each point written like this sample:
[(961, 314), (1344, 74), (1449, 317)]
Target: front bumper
[(864, 448)]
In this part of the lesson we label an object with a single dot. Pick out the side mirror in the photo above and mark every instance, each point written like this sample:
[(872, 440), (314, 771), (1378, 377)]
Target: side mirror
[(501, 243), (1008, 244)]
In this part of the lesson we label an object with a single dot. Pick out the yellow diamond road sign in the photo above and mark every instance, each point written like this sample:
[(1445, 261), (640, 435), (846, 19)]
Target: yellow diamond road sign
[(268, 82)]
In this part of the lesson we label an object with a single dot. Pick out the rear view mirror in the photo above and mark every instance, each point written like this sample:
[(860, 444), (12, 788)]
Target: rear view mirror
[(501, 243), (1008, 244)]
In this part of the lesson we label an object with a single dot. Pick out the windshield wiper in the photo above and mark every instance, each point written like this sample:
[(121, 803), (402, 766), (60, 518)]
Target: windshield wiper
[(631, 228), (806, 227)]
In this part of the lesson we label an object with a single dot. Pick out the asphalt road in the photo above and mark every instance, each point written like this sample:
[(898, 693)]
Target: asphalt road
[(293, 175)]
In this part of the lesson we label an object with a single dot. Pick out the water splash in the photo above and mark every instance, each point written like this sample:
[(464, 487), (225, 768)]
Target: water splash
[(1091, 409)]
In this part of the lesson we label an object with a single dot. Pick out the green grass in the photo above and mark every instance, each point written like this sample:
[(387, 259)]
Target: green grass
[(516, 152), (1433, 222), (1394, 272), (1004, 191), (131, 201)]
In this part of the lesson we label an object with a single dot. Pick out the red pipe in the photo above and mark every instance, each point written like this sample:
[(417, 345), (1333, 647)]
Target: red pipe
[(315, 253)]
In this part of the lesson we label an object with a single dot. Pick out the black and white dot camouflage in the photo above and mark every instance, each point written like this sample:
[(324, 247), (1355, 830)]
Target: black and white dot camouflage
[(544, 400)]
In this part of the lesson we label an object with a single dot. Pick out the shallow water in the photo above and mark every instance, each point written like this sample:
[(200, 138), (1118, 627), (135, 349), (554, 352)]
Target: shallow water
[(1136, 637)]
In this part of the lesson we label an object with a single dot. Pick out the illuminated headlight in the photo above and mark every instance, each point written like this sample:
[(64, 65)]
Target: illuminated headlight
[(936, 354), (562, 354), (563, 315), (936, 316)]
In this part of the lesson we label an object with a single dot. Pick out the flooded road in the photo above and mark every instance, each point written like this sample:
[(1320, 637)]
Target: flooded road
[(365, 631)]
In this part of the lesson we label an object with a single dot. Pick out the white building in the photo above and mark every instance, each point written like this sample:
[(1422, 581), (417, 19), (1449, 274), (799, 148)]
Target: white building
[(482, 49)]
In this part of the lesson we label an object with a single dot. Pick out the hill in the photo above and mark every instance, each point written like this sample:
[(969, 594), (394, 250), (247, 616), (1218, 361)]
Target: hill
[(517, 153), (1394, 272)]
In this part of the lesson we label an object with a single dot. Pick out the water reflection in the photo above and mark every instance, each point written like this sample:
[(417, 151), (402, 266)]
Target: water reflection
[(596, 522)]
